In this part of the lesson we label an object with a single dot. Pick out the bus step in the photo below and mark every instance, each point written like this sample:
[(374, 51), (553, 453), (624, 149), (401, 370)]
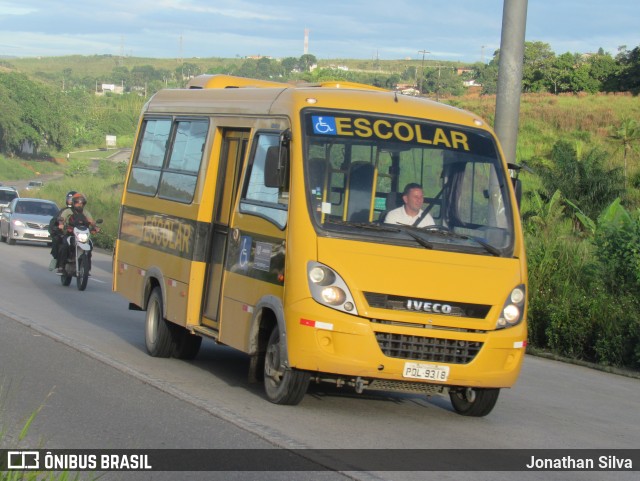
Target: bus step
[(207, 332)]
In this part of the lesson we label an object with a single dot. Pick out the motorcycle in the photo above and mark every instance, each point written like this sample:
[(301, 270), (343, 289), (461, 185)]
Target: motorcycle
[(78, 262)]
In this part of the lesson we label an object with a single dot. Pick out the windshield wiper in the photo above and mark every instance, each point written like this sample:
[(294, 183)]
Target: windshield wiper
[(421, 241), (488, 247), (410, 230), (445, 232)]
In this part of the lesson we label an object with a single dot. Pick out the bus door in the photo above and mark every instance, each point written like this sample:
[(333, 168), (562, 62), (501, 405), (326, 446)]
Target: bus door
[(234, 147)]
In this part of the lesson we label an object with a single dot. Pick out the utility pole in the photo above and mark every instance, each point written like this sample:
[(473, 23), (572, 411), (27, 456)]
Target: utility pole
[(423, 52), (514, 19)]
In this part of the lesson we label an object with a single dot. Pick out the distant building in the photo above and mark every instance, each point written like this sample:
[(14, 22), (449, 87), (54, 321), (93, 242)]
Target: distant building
[(463, 70), (113, 88), (407, 89)]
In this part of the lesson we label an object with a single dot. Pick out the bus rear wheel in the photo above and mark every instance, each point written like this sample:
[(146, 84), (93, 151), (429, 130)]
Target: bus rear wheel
[(474, 402), (282, 385), (158, 338)]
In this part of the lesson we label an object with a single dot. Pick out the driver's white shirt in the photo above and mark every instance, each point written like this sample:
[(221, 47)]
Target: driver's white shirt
[(400, 216)]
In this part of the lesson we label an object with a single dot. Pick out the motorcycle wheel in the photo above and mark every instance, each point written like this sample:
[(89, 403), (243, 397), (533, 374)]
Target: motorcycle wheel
[(82, 276), (65, 279)]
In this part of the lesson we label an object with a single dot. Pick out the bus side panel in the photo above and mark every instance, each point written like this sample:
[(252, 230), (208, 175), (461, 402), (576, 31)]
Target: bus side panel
[(127, 281), (245, 285)]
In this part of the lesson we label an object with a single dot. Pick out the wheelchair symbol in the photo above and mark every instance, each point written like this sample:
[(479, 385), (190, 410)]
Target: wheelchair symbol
[(322, 127), (245, 253)]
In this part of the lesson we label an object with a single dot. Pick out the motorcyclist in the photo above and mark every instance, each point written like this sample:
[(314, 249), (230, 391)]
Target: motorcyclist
[(56, 232), (73, 217)]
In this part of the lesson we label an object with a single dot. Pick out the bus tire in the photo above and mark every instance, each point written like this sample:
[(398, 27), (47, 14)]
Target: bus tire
[(186, 345), (282, 386), (158, 338), (474, 402)]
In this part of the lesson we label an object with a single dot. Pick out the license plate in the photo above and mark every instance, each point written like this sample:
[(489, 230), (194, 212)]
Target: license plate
[(41, 234), (428, 372)]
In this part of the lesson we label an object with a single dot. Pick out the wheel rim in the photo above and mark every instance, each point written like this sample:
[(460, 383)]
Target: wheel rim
[(152, 322), (272, 364)]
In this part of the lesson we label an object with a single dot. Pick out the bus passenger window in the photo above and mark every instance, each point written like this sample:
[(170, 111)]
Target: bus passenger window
[(179, 179), (154, 143)]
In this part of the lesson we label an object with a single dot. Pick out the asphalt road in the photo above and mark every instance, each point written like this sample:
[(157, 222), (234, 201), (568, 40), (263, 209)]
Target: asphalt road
[(87, 349)]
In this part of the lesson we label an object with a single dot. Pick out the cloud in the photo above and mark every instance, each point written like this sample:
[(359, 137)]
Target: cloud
[(461, 30)]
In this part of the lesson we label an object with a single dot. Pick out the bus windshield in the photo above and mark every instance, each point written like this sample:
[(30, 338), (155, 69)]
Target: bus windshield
[(359, 168)]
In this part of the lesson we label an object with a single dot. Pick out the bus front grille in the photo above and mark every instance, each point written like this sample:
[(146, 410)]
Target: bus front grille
[(418, 348)]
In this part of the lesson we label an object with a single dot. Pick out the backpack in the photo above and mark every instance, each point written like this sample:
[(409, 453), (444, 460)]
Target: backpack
[(53, 228)]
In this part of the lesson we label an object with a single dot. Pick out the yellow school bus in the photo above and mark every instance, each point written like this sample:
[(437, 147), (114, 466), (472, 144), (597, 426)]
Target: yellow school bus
[(257, 214)]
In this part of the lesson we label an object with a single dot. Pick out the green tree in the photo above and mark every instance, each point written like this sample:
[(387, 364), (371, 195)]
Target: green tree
[(538, 57), (627, 134), (582, 79), (42, 112), (629, 61), (289, 64), (442, 80), (487, 76), (307, 61), (603, 69), (558, 72), (11, 128)]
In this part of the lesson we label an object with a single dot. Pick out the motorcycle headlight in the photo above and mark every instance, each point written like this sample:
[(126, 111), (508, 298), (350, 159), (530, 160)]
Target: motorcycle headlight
[(83, 236), (513, 309), (329, 289)]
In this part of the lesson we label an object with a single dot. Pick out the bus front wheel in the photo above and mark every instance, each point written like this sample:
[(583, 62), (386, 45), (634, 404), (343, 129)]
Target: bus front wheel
[(474, 402), (157, 333), (282, 385)]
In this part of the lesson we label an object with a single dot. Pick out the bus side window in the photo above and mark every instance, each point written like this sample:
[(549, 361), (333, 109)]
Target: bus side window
[(258, 198), (145, 174), (180, 176)]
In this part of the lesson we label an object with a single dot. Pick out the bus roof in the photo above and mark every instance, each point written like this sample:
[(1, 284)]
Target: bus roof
[(225, 94)]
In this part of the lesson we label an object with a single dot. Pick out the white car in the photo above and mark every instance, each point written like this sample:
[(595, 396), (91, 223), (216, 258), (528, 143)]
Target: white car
[(26, 219), (7, 194)]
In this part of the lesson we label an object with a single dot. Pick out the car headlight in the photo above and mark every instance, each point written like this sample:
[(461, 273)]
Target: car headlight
[(513, 309), (18, 223), (83, 236), (329, 289)]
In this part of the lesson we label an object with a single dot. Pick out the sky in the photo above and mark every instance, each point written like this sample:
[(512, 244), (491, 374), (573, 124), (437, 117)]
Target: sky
[(451, 30)]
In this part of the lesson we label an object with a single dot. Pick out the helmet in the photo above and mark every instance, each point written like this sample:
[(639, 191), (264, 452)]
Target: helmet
[(70, 195), (79, 198)]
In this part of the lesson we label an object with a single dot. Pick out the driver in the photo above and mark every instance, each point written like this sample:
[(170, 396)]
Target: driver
[(410, 212)]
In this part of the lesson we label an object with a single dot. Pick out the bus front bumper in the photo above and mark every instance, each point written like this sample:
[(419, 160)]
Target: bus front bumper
[(338, 345)]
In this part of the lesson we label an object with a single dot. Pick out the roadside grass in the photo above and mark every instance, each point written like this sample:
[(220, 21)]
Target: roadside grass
[(20, 169), (6, 438), (582, 119)]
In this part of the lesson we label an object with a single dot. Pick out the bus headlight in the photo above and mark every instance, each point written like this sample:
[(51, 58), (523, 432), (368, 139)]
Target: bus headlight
[(329, 289), (513, 310)]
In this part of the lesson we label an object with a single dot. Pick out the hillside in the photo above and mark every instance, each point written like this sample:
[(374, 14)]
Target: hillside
[(102, 65)]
